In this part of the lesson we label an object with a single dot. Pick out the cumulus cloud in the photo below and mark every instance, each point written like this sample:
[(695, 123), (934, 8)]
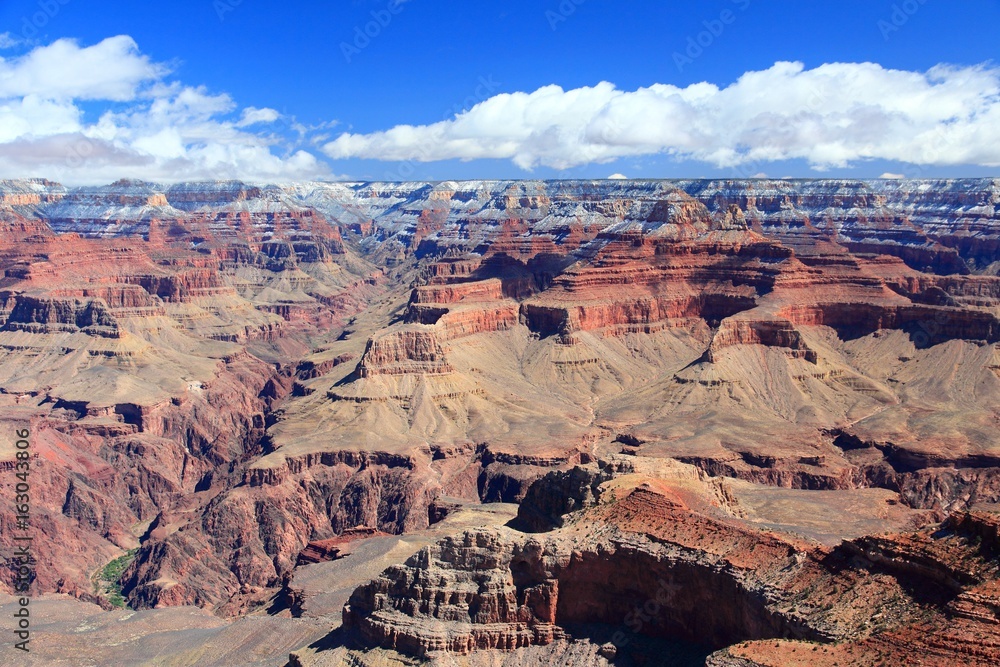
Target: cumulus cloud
[(831, 116), (617, 177), (150, 127), (110, 70)]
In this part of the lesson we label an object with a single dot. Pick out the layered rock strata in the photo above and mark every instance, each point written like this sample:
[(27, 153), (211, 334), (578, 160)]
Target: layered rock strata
[(389, 345), (642, 562)]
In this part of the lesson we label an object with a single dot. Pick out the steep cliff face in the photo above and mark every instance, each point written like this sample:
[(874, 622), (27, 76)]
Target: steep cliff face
[(139, 364), (273, 514), (241, 370), (552, 497), (101, 475), (942, 226), (404, 352), (649, 565), (55, 314), (950, 220)]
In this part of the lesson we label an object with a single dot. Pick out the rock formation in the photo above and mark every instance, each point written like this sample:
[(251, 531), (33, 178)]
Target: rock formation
[(228, 377), (645, 563)]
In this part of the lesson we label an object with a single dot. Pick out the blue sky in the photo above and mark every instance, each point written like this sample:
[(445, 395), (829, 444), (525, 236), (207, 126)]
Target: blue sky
[(428, 61)]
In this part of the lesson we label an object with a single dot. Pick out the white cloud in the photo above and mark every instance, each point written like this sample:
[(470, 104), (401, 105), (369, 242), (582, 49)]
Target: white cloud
[(892, 177), (830, 116), (253, 116), (617, 177), (110, 70), (157, 129)]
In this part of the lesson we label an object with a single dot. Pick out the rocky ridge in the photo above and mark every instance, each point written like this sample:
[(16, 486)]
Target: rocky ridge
[(318, 357), (637, 560)]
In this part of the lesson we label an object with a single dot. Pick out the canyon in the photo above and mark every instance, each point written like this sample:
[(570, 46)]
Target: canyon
[(736, 422)]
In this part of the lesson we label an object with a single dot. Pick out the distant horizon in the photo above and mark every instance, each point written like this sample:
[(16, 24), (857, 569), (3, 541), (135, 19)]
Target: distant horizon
[(649, 179)]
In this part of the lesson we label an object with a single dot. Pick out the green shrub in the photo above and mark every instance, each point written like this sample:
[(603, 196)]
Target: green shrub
[(109, 578)]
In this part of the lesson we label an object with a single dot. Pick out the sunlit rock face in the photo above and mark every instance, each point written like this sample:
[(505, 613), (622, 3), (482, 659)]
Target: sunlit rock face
[(222, 374)]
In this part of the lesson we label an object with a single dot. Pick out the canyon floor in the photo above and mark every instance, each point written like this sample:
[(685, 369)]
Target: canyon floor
[(505, 423)]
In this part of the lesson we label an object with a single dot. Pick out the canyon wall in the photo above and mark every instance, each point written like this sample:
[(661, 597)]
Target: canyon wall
[(225, 373)]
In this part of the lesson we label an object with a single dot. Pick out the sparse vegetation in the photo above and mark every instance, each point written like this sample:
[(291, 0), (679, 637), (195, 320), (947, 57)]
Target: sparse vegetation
[(108, 578)]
